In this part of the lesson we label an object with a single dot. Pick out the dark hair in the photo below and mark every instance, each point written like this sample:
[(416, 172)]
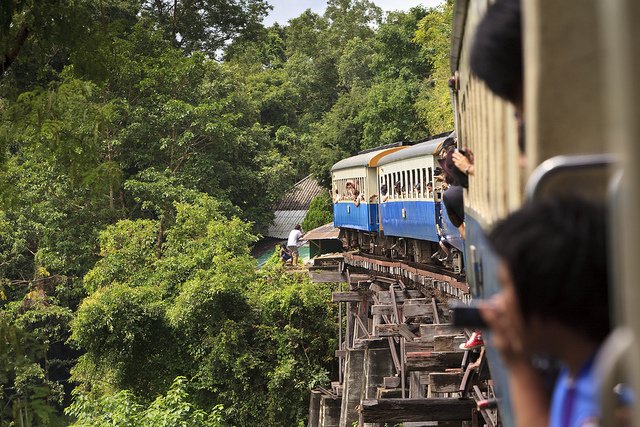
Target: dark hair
[(496, 55), (298, 227), (556, 253)]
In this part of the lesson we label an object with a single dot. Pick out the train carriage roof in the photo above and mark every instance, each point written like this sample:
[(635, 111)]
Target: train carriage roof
[(422, 149), (370, 159)]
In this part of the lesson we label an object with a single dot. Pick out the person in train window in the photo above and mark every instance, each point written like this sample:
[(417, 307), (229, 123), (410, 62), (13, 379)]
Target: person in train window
[(351, 188), (453, 197), (397, 189), (384, 191), (463, 159), (430, 189), (554, 301)]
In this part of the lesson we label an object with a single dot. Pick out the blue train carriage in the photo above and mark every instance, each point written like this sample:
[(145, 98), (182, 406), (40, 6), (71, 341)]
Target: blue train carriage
[(355, 197), (413, 219)]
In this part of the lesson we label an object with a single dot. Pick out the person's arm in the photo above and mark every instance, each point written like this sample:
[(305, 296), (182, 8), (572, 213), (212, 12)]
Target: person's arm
[(463, 163), (530, 401)]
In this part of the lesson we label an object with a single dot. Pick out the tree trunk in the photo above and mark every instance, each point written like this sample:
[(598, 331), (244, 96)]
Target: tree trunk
[(12, 53)]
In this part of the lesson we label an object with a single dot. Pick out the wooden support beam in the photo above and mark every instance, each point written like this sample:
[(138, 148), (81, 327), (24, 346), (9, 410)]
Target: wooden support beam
[(417, 345), (400, 296), (417, 310), (405, 332), (351, 296), (399, 410), (408, 310), (427, 332), (433, 361), (444, 382), (436, 318), (448, 342), (388, 393), (394, 330), (391, 382), (325, 276), (394, 354), (487, 415)]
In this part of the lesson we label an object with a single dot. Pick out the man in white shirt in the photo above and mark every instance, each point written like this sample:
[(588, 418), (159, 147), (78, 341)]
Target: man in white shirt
[(292, 243)]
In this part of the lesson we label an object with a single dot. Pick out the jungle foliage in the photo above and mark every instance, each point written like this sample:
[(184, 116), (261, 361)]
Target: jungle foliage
[(142, 145)]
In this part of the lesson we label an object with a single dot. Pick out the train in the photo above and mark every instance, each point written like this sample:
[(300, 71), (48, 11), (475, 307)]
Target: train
[(388, 202), (581, 100)]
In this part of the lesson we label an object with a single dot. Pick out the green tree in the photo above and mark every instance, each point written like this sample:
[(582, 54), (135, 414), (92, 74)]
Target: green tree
[(122, 409), (434, 102), (320, 212)]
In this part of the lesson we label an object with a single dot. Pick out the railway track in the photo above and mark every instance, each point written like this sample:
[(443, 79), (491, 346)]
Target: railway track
[(412, 275)]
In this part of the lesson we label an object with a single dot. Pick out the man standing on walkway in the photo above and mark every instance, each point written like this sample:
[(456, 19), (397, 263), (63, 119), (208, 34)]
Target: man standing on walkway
[(292, 244)]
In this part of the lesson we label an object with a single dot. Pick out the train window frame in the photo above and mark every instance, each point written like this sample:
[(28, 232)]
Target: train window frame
[(403, 184), (414, 183)]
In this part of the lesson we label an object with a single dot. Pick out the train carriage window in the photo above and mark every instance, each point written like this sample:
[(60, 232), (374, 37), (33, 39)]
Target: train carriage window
[(403, 184)]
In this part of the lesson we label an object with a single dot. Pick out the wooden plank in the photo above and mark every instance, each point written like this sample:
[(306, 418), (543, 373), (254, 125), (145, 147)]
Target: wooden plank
[(391, 382), (427, 332), (433, 361), (350, 296), (400, 296), (325, 276), (408, 310), (394, 354), (417, 345), (448, 342), (341, 353), (444, 382), (405, 332), (399, 410), (392, 330), (381, 309), (388, 393), (417, 310), (436, 318)]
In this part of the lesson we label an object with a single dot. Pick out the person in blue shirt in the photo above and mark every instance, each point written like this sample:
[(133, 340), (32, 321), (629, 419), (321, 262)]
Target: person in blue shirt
[(554, 301)]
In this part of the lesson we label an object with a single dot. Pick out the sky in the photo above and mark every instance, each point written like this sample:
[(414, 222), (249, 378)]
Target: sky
[(283, 10)]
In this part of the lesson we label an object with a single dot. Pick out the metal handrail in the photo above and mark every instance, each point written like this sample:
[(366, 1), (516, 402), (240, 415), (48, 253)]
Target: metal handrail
[(556, 165)]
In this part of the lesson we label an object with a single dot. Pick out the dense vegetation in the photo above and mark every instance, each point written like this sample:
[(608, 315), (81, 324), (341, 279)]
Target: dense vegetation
[(142, 144)]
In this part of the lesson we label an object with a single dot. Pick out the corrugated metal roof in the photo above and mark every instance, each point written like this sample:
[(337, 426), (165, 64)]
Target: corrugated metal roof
[(365, 159), (422, 149), (284, 222), (324, 232), (300, 196)]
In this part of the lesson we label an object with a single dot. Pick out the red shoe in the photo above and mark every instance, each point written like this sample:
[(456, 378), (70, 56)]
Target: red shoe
[(474, 341)]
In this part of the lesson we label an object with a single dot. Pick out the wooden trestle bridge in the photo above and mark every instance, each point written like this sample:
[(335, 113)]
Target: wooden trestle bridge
[(399, 356)]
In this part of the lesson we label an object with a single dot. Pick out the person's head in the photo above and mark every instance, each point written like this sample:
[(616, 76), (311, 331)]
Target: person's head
[(384, 189), (496, 54), (283, 246), (555, 254), (298, 227), (430, 186), (455, 175)]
